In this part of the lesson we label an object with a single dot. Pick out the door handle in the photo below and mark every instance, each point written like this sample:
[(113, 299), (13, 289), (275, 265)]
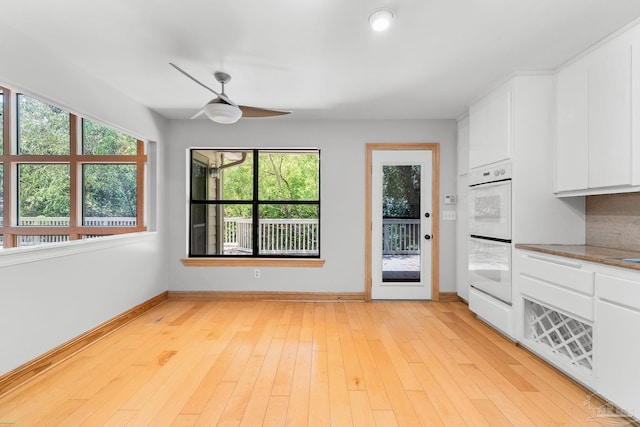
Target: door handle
[(428, 237), (427, 215)]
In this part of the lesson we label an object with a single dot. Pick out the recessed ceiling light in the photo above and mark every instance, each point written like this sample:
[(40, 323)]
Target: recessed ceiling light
[(380, 19)]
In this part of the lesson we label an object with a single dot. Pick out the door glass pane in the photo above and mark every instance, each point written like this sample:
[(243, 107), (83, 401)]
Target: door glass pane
[(401, 235)]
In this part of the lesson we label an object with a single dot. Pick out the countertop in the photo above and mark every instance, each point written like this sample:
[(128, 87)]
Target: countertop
[(587, 253)]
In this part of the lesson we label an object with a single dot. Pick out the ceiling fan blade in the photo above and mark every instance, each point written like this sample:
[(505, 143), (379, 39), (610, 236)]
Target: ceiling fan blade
[(196, 115), (222, 96), (193, 78), (260, 112)]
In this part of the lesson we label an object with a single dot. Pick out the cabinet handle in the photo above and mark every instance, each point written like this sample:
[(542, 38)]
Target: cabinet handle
[(555, 261)]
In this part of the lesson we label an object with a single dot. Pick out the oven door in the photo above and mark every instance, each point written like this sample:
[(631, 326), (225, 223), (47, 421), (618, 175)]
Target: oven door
[(490, 210), (490, 268)]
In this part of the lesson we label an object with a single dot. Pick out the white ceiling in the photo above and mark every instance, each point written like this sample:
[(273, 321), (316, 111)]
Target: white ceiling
[(318, 58)]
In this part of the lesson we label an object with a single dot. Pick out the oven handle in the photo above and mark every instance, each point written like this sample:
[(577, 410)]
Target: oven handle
[(489, 239), (490, 183)]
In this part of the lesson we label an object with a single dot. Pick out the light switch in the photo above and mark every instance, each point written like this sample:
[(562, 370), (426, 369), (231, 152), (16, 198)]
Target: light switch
[(448, 215)]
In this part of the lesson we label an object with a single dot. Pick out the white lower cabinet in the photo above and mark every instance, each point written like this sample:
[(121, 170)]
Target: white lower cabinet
[(617, 361), (556, 302), (583, 318)]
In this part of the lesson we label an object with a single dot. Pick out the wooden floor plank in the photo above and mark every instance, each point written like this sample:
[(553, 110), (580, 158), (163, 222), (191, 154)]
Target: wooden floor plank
[(451, 385), (276, 414), (385, 419), (280, 363), (374, 384), (350, 361), (423, 406), (284, 375), (237, 405), (298, 408), (490, 412), (213, 408), (402, 408), (446, 408), (260, 396), (319, 403), (361, 412), (338, 388), (184, 421), (397, 359)]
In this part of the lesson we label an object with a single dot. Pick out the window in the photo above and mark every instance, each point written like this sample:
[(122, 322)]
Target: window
[(255, 203), (65, 177)]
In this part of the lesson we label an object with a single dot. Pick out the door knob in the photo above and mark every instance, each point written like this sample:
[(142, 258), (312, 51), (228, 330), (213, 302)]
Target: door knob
[(427, 215), (426, 236)]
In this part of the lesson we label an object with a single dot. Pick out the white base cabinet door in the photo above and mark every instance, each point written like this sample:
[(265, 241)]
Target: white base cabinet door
[(617, 339), (618, 356)]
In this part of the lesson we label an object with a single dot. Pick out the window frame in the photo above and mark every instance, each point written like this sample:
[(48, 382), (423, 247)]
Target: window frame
[(255, 202), (76, 230)]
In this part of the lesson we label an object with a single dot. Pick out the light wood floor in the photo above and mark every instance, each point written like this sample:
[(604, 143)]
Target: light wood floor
[(210, 363)]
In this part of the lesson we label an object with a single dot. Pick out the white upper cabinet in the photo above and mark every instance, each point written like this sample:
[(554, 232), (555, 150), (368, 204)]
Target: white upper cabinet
[(490, 128), (572, 158), (610, 115), (595, 140)]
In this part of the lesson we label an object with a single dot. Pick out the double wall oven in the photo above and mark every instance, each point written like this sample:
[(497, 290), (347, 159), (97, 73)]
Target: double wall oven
[(489, 252)]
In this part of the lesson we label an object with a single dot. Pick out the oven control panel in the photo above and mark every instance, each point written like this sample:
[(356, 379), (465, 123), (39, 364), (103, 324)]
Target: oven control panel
[(495, 173)]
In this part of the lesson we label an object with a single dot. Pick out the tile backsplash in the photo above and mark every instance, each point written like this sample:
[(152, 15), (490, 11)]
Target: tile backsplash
[(613, 221)]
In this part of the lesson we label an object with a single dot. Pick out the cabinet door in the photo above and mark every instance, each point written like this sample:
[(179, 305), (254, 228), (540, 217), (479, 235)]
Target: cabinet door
[(617, 354), (490, 128), (572, 138), (610, 115)]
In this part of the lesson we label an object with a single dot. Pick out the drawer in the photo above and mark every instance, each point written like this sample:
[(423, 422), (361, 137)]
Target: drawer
[(618, 291), (566, 273), (557, 297)]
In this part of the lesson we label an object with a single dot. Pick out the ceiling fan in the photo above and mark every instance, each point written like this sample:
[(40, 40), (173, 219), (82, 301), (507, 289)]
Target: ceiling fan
[(222, 109)]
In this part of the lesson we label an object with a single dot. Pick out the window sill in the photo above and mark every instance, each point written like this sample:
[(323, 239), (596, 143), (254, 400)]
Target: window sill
[(253, 262)]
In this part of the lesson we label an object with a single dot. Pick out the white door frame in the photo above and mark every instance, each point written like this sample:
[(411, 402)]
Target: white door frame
[(435, 209)]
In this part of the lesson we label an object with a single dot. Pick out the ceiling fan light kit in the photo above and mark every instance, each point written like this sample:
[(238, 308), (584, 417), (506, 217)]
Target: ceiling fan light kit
[(222, 113), (380, 19)]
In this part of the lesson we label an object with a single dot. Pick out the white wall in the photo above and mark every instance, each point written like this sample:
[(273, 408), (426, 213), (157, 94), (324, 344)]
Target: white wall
[(49, 296), (342, 145)]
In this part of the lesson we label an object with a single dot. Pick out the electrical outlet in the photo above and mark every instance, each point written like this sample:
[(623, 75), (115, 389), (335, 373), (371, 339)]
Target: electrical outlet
[(256, 274)]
